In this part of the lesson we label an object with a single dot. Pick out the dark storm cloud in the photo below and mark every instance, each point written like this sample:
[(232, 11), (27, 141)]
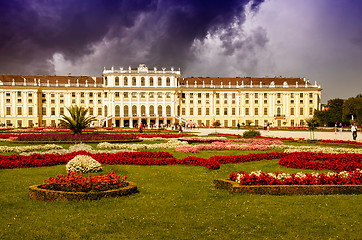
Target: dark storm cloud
[(33, 31)]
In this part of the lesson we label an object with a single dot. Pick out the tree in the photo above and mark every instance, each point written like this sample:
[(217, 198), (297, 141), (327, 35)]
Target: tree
[(335, 111), (352, 109), (77, 121), (312, 125)]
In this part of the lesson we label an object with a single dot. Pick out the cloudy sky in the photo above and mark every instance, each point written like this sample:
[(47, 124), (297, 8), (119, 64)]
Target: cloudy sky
[(317, 39)]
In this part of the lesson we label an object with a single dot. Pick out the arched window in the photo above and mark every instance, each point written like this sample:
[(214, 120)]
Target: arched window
[(178, 110), (151, 81), (125, 81), (105, 111), (134, 81), (159, 110), (278, 111), (159, 81), (152, 110), (168, 82), (117, 111), (143, 110), (125, 111), (116, 81), (168, 111), (143, 81), (134, 110), (105, 81)]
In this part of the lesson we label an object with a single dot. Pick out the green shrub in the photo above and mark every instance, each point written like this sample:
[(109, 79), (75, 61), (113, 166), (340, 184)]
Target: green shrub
[(250, 134)]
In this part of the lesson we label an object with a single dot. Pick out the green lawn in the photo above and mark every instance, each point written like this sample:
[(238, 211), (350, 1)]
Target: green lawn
[(175, 202)]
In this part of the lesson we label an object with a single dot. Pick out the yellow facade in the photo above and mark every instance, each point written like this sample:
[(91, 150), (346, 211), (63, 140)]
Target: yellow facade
[(126, 97)]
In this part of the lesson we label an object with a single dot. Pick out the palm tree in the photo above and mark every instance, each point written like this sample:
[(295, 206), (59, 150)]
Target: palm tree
[(77, 120)]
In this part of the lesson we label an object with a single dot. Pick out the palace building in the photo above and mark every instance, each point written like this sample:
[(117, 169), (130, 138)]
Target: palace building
[(125, 97)]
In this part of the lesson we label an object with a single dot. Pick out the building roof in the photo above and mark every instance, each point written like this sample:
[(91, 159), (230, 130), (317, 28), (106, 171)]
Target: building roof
[(52, 80), (246, 81)]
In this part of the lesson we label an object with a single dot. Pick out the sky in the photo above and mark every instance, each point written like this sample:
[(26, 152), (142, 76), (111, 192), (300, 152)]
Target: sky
[(320, 40)]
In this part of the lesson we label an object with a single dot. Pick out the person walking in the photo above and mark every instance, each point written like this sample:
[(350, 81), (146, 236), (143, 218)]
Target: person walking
[(354, 131), (340, 127), (335, 128)]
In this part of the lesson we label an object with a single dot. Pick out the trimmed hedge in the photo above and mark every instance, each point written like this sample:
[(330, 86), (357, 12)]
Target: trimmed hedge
[(235, 187)]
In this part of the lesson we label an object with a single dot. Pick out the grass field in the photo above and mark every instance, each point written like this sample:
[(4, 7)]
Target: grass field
[(175, 202)]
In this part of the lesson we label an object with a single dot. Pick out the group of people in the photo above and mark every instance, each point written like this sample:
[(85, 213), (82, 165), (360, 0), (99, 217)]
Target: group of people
[(340, 128)]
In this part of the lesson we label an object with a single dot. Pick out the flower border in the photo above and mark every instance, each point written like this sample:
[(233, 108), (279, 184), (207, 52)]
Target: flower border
[(37, 193), (235, 187)]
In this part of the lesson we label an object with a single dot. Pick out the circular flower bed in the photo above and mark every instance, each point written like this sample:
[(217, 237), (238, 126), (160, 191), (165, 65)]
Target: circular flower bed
[(77, 187)]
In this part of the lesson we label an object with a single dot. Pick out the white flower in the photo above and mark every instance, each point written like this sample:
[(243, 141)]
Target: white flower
[(83, 164)]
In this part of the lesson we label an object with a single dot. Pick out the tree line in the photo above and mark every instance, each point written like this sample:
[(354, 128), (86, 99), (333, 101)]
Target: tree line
[(339, 111)]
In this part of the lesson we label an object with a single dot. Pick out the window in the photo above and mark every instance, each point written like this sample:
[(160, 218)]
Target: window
[(265, 111), (292, 95), (265, 95), (19, 93), (199, 101), (279, 95), (143, 110), (159, 94), (310, 111), (8, 100), (246, 101), (29, 100), (207, 95), (233, 111), (19, 100), (44, 111), (159, 83), (279, 111), (159, 110), (168, 82), (247, 111), (53, 111), (256, 111), (183, 111), (265, 101), (91, 111), (292, 111), (143, 94), (73, 94), (310, 95), (90, 94), (256, 95), (30, 111), (134, 94), (100, 111), (199, 95), (143, 81), (117, 111), (301, 101), (256, 101), (225, 101), (116, 94), (310, 101), (207, 111), (199, 111), (191, 111), (225, 111), (52, 101), (233, 102), (61, 111), (191, 95), (19, 111), (301, 95), (217, 95), (125, 94), (116, 81), (225, 95), (152, 94), (151, 81), (292, 101), (99, 94), (125, 111), (246, 95), (8, 111), (134, 110), (125, 81), (301, 112), (134, 81), (233, 95), (7, 94), (168, 95), (217, 111)]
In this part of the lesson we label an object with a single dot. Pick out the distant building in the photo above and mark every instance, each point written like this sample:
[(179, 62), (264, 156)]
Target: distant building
[(126, 97)]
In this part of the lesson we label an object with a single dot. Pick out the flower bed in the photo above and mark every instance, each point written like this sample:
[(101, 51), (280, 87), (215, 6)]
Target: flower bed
[(331, 178), (78, 187), (217, 146), (319, 161), (340, 142), (69, 137), (292, 148), (287, 189)]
